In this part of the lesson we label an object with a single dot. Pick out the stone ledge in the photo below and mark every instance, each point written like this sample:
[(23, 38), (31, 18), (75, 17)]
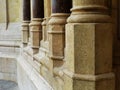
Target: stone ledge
[(89, 77), (10, 43), (34, 76)]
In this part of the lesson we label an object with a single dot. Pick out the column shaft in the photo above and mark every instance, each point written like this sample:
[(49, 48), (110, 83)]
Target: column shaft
[(45, 28), (26, 10), (38, 8), (61, 6), (47, 9), (42, 57)]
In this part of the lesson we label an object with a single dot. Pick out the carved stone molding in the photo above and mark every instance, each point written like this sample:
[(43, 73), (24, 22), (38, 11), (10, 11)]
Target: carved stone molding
[(35, 34), (56, 35), (89, 14), (25, 32)]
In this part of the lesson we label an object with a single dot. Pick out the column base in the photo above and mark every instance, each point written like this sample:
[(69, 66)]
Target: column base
[(89, 82)]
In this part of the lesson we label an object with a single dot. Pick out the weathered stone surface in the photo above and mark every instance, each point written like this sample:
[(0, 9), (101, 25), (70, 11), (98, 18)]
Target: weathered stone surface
[(10, 11), (8, 68), (95, 52), (25, 32), (47, 8), (35, 34), (83, 61), (14, 10), (3, 13), (8, 85), (29, 79)]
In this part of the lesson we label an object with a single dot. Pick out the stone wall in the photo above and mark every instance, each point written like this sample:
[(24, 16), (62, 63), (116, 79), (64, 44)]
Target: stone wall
[(10, 38), (10, 10), (9, 51), (2, 11), (14, 10)]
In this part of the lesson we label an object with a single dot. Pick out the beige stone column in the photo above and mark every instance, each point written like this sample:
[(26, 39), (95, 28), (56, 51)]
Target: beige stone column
[(47, 14), (56, 33), (36, 25), (26, 21), (47, 8), (88, 53), (44, 47), (41, 57)]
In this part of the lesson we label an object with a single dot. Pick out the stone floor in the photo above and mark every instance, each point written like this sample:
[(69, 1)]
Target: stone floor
[(8, 85)]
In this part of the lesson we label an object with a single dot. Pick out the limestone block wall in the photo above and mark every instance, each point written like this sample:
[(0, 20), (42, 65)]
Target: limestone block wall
[(10, 10), (28, 77), (10, 38), (3, 11), (8, 68), (9, 51), (14, 10)]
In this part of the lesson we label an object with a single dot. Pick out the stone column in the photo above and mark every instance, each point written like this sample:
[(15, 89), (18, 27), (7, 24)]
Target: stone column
[(56, 33), (88, 52), (47, 8), (26, 21), (115, 13), (47, 14), (35, 25)]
